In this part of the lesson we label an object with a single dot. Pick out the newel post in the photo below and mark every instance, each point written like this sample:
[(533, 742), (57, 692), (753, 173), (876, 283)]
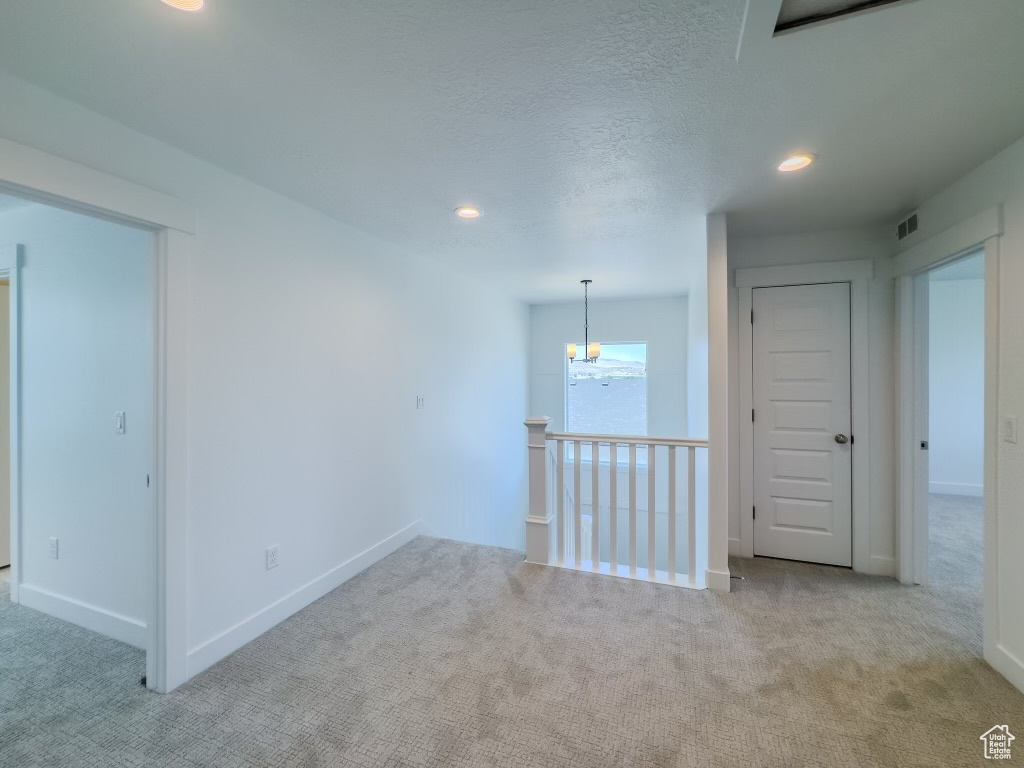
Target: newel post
[(538, 522)]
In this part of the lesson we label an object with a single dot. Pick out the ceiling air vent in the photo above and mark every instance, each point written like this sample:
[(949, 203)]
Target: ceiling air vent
[(907, 227), (796, 14)]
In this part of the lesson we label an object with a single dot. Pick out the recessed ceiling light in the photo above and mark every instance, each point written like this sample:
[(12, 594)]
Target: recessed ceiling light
[(467, 212), (796, 162), (185, 5)]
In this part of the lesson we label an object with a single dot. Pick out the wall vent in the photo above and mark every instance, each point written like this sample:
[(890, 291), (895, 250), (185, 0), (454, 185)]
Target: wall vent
[(907, 227)]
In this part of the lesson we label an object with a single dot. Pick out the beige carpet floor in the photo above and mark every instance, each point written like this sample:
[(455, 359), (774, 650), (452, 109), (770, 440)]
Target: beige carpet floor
[(449, 654)]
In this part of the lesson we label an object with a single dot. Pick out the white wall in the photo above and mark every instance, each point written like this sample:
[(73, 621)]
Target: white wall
[(719, 362), (661, 322), (999, 181), (697, 388), (86, 352), (308, 343), (956, 387), (844, 245)]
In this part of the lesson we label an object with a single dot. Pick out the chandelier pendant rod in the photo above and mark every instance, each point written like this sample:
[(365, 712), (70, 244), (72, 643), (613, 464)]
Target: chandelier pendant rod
[(586, 322)]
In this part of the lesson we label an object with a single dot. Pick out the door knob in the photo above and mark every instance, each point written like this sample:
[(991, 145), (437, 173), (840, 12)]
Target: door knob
[(842, 439)]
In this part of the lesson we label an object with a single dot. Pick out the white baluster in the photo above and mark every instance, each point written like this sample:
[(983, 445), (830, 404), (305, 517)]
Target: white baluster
[(691, 512), (651, 455), (672, 514), (561, 502), (613, 505), (632, 510), (577, 539), (595, 507)]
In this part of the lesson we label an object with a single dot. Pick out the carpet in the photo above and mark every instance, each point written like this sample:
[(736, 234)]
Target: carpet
[(451, 654)]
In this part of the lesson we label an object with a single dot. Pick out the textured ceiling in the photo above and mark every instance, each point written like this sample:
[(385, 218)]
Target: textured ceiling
[(594, 134)]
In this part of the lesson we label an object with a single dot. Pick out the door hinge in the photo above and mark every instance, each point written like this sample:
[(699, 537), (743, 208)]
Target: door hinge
[(751, 414), (147, 481), (751, 317), (851, 439), (755, 512)]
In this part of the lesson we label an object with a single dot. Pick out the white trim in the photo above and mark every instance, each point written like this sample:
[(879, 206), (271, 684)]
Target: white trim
[(718, 581), (956, 489), (582, 437), (806, 274), (860, 341), (950, 243), (169, 637), (1007, 664), (11, 259), (210, 652), (906, 456), (878, 565), (920, 424), (123, 628), (745, 548), (857, 273), (623, 572), (31, 173)]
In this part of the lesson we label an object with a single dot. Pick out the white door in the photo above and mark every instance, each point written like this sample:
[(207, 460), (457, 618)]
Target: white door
[(802, 443)]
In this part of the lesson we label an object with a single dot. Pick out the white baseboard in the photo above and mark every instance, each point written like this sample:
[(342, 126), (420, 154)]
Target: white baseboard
[(957, 489), (879, 565), (736, 547), (717, 581), (100, 620), (209, 653), (1007, 665)]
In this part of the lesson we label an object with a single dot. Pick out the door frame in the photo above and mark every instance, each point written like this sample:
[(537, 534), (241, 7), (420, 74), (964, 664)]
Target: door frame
[(858, 274), (10, 268), (41, 177), (982, 231)]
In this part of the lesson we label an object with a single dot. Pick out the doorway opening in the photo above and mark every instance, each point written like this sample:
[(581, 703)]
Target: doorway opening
[(77, 398), (952, 421)]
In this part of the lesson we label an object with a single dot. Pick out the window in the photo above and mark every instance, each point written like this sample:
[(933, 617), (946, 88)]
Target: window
[(608, 397)]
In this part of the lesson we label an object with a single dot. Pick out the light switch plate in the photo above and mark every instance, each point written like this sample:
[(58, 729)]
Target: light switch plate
[(119, 422)]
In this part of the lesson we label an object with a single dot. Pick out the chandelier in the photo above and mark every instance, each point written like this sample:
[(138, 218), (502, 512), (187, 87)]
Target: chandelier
[(593, 349)]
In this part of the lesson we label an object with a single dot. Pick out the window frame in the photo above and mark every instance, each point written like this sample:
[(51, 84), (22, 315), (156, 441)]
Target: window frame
[(622, 457)]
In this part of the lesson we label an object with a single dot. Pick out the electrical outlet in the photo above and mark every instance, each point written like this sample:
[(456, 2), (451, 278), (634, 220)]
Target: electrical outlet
[(119, 423), (54, 547), (272, 556), (420, 402)]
